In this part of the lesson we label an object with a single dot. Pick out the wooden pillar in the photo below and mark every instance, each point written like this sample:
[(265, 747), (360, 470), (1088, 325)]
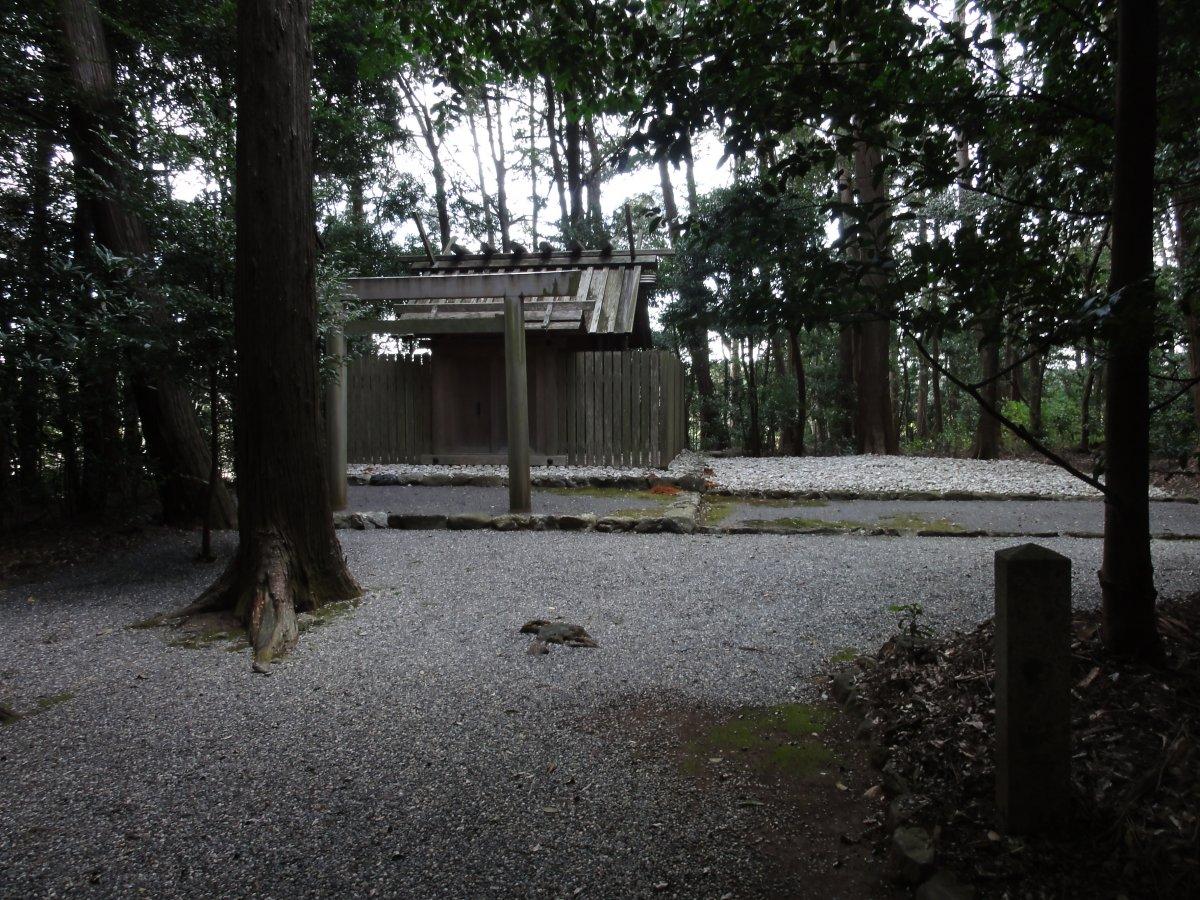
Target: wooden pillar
[(1033, 688), (516, 384), (335, 422)]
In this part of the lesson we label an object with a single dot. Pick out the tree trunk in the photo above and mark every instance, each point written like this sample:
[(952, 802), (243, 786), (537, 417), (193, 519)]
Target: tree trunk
[(1085, 405), (595, 166), (489, 223), (288, 558), (556, 164), (987, 430), (1127, 572), (754, 432), (433, 146), (796, 360), (846, 400), (922, 397), (574, 169), (935, 350), (1187, 244), (496, 145), (1037, 383), (876, 423), (169, 422), (535, 201)]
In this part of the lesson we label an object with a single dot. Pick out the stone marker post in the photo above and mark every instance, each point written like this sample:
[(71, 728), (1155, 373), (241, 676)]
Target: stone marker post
[(1033, 688)]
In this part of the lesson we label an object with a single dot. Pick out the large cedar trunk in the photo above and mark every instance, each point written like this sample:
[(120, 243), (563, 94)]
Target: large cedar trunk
[(875, 422), (1127, 571), (595, 214), (288, 557), (169, 423)]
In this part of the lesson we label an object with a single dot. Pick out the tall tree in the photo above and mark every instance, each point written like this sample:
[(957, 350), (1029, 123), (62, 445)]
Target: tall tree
[(288, 558), (169, 423), (1127, 571)]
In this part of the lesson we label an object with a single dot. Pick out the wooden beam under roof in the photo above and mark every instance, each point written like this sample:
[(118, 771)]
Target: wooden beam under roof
[(466, 285)]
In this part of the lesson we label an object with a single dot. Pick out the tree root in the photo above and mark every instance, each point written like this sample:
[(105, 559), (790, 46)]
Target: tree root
[(264, 587)]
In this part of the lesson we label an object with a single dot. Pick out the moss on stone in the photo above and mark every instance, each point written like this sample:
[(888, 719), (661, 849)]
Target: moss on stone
[(612, 493), (915, 522), (799, 523)]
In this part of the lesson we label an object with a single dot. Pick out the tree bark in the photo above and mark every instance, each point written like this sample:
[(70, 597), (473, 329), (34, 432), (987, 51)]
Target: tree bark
[(875, 420), (288, 558), (574, 169), (489, 222), (595, 165), (1187, 243), (1130, 625), (433, 146), (987, 429), (556, 164), (796, 361), (169, 423), (496, 145), (754, 429)]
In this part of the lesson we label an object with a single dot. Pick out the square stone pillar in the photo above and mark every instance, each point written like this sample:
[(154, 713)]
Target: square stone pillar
[(1033, 688)]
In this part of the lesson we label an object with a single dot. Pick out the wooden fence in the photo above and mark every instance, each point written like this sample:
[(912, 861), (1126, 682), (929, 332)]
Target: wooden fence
[(624, 408), (389, 409), (612, 408)]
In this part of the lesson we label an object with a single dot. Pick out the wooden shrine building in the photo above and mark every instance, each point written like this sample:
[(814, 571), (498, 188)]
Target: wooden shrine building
[(598, 393)]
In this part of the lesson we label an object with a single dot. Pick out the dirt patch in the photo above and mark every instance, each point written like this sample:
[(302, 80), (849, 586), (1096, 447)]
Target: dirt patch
[(794, 770), (1135, 809)]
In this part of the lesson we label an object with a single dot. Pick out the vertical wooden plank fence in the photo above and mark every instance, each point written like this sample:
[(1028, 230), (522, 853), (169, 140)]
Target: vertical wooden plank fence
[(389, 409), (625, 409)]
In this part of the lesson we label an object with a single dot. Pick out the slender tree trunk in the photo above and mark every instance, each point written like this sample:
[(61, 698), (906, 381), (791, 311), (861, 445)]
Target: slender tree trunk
[(574, 169), (535, 202), (1037, 383), (922, 396), (876, 423), (433, 146), (556, 164), (288, 558), (489, 222), (1127, 573), (754, 432), (595, 166), (29, 399), (1187, 244), (797, 366), (169, 422), (1085, 405), (935, 350), (689, 170), (496, 146)]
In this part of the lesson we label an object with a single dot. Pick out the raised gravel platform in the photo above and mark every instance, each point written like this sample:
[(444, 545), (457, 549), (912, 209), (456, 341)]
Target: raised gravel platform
[(411, 747), (836, 477)]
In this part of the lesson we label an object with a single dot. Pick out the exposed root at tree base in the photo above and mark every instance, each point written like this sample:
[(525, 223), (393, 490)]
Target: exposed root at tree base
[(264, 587)]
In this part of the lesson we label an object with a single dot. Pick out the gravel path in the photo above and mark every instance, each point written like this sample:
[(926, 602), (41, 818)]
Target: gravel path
[(412, 748)]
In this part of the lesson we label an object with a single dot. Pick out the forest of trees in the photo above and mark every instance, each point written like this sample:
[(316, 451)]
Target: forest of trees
[(943, 230)]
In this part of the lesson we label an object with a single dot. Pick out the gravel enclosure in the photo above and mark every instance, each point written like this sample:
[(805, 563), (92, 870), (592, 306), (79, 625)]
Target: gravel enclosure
[(411, 747), (862, 476)]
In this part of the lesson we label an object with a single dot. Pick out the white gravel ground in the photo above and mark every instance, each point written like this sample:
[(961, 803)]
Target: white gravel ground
[(865, 475), (412, 748), (886, 474)]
